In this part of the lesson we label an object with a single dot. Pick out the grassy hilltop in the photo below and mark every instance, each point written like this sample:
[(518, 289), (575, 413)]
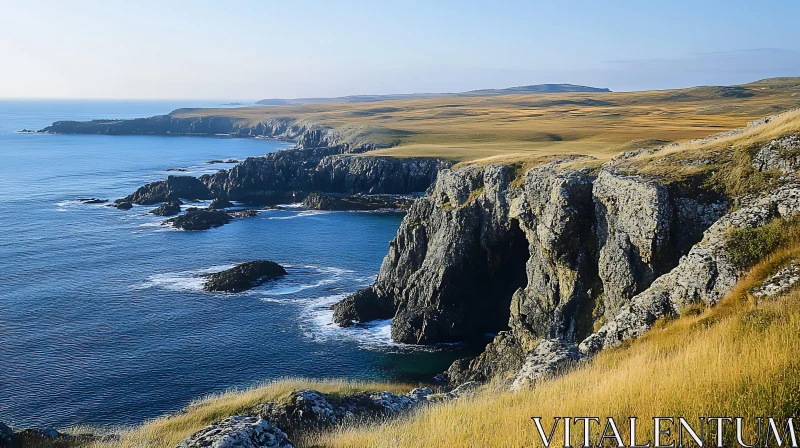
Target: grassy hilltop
[(512, 128)]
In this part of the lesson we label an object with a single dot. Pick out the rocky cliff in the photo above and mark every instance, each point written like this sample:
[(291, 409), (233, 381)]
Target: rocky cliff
[(565, 260)]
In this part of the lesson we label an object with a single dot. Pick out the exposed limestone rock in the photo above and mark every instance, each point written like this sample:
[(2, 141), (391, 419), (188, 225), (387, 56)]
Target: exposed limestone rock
[(634, 219), (307, 409), (782, 281), (456, 260), (238, 432), (550, 357), (704, 274), (555, 211), (501, 359), (782, 155)]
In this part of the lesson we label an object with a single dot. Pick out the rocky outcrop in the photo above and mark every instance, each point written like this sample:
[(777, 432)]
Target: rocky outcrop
[(93, 200), (174, 188), (334, 201), (704, 275), (200, 219), (548, 258), (362, 306), (244, 276), (167, 209), (238, 432), (307, 410), (781, 282), (781, 155), (456, 260), (123, 205)]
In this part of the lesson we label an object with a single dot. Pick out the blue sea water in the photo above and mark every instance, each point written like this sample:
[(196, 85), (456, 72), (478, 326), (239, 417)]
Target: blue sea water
[(102, 316)]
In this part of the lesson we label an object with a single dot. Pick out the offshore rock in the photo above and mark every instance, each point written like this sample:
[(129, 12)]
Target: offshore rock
[(362, 306), (200, 219), (244, 276), (238, 432), (123, 205), (334, 201), (167, 209), (220, 204), (173, 188)]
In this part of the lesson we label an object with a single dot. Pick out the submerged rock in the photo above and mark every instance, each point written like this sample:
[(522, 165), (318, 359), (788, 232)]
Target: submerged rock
[(331, 201), (244, 276), (238, 432), (200, 219), (167, 209), (93, 200)]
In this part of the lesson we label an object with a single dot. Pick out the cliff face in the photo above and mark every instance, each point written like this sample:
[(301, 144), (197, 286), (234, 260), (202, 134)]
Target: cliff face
[(548, 260), (298, 171)]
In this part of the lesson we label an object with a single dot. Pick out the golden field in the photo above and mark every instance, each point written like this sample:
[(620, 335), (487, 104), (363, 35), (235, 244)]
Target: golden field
[(511, 128)]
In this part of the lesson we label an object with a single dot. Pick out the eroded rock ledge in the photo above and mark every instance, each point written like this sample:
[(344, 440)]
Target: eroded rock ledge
[(562, 263)]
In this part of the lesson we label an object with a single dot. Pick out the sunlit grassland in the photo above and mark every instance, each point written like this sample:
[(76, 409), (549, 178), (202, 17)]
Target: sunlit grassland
[(518, 127), (736, 359), (170, 430)]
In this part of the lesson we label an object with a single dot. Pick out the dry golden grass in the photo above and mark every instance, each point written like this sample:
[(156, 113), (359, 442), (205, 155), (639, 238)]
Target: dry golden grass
[(531, 125), (736, 359), (170, 430)]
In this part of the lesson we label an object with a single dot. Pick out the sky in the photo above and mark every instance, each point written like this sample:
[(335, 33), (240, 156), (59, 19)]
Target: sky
[(249, 50)]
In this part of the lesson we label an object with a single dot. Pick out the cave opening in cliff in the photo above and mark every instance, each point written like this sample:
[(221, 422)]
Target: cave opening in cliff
[(510, 276)]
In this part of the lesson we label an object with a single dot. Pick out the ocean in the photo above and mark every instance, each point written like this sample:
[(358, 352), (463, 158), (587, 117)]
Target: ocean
[(103, 320)]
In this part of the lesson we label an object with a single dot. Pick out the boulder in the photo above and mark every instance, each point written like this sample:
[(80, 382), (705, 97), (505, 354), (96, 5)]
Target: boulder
[(244, 276), (200, 219), (124, 205), (238, 432), (362, 306), (167, 209)]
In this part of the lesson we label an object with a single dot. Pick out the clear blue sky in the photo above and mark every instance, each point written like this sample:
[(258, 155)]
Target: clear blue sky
[(266, 49)]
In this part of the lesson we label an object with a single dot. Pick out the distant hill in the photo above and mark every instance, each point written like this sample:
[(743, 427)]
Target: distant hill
[(538, 88)]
